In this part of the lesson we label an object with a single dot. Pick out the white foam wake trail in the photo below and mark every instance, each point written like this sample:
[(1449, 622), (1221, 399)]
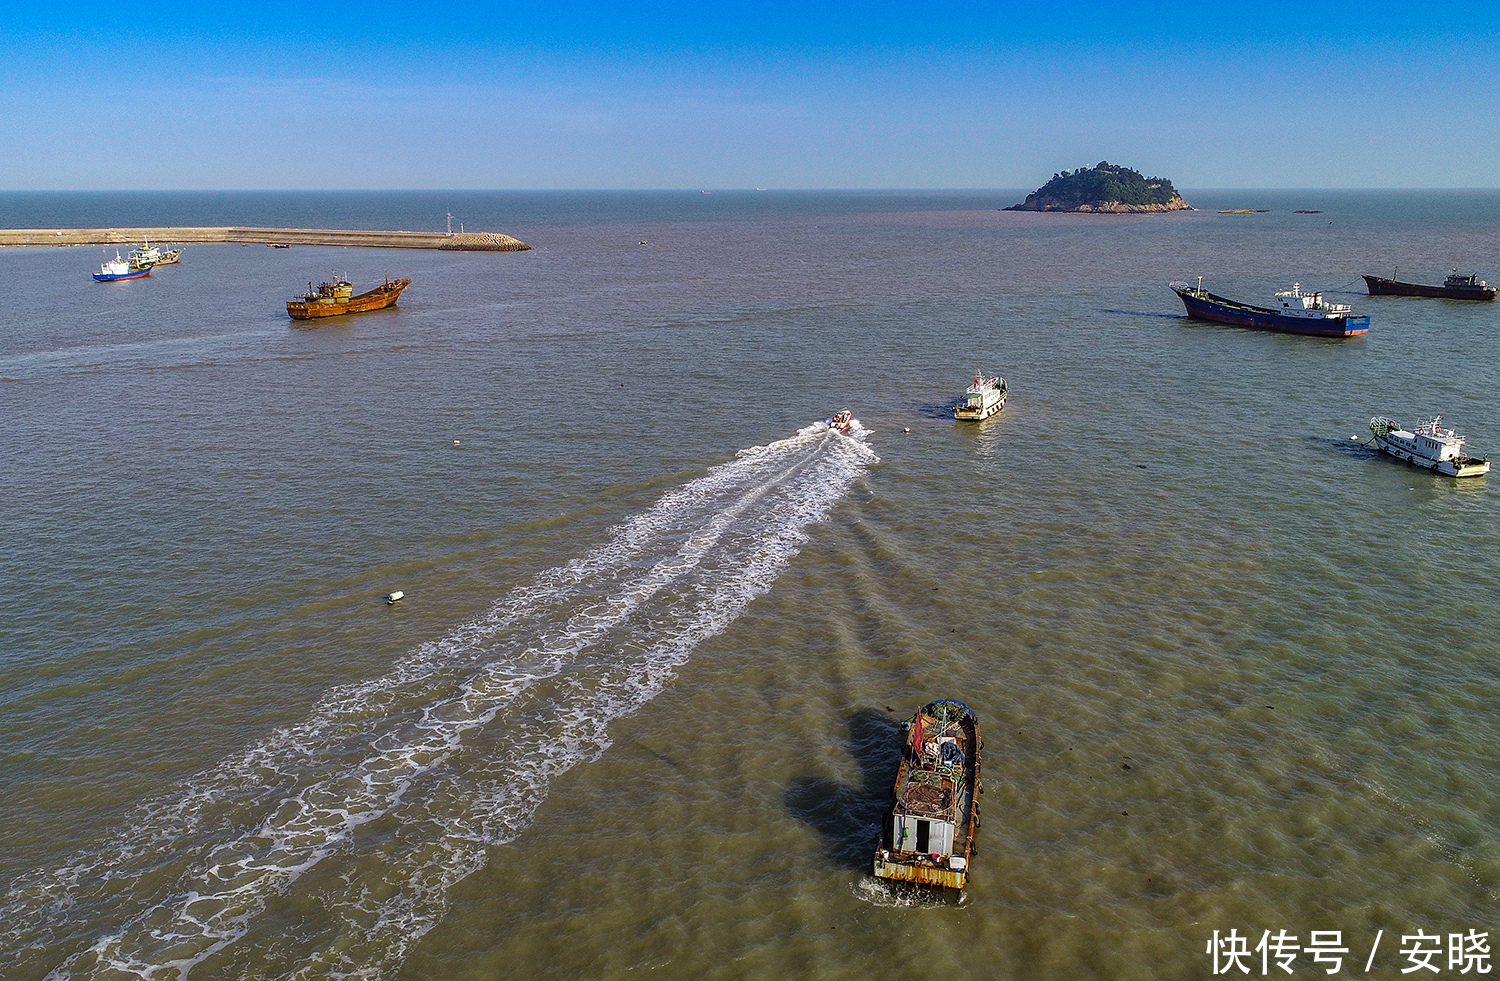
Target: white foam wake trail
[(554, 662)]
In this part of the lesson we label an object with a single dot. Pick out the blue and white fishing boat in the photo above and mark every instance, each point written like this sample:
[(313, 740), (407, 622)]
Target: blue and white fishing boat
[(1296, 313), (119, 268)]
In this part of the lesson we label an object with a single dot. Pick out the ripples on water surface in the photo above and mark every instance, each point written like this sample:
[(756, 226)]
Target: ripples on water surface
[(638, 710)]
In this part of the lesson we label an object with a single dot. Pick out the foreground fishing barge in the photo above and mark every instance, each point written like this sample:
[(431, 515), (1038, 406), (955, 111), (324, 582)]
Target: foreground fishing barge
[(928, 834), (1300, 313), (335, 299), (1458, 286)]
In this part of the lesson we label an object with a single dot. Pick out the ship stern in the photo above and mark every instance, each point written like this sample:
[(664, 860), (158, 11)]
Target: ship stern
[(922, 872)]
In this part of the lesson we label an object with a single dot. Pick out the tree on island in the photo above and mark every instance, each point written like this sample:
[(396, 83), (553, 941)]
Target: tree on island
[(1103, 187)]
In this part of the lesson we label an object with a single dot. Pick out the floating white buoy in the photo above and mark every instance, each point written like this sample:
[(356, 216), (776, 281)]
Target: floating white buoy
[(907, 429), (395, 597), (455, 442), (1354, 437)]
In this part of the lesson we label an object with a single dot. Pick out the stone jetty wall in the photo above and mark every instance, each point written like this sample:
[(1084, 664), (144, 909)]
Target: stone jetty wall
[(353, 238)]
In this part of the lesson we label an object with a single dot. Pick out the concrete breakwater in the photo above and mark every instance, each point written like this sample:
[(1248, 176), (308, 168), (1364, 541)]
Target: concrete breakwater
[(354, 238)]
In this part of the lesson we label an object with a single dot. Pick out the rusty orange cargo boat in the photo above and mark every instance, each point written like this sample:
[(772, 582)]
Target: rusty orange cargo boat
[(928, 834), (335, 299)]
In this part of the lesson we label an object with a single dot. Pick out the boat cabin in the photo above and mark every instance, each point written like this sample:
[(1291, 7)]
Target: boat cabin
[(1437, 443), (329, 292), (1295, 303), (917, 835), (1428, 441), (1456, 278)]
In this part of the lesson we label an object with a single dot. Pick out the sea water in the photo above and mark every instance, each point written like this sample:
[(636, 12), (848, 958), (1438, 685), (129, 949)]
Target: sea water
[(639, 709)]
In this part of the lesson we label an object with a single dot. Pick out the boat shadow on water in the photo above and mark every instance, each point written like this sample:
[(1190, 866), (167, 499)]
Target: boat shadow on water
[(937, 410), (1361, 449), (1145, 313), (848, 816)]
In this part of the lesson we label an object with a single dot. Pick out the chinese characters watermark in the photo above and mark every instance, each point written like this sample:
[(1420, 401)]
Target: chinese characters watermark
[(1325, 950)]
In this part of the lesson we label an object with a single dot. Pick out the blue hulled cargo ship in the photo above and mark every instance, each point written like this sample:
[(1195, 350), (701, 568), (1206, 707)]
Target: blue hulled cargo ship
[(1299, 313)]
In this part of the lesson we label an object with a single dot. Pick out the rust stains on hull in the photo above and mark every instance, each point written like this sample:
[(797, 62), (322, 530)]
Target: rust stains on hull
[(919, 874), (312, 307)]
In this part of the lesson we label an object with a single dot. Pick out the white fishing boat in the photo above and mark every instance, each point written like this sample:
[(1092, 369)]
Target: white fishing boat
[(1428, 445), (982, 399), (842, 421)]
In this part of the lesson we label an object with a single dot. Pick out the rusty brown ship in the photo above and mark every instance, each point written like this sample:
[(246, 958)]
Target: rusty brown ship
[(928, 834), (337, 298)]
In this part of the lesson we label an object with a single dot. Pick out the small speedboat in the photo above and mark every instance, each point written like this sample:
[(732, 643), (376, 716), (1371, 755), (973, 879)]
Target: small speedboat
[(841, 421), (119, 268)]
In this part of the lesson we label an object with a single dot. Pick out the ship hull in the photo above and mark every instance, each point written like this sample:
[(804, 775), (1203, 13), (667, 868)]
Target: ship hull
[(980, 414), (116, 277), (1207, 306), (1463, 466), (379, 298), (1390, 287)]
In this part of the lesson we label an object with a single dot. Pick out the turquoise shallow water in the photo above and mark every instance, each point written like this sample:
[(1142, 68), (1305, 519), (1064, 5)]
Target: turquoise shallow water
[(638, 709)]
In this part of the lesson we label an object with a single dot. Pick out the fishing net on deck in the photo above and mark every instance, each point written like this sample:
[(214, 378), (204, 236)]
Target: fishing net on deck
[(928, 798)]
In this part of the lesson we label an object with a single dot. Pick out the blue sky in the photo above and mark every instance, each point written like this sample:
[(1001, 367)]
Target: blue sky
[(779, 95)]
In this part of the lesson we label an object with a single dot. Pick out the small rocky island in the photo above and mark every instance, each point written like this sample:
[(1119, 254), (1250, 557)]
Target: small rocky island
[(1104, 188)]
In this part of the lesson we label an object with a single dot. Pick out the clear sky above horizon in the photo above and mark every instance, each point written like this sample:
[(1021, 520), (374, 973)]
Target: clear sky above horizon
[(322, 95)]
